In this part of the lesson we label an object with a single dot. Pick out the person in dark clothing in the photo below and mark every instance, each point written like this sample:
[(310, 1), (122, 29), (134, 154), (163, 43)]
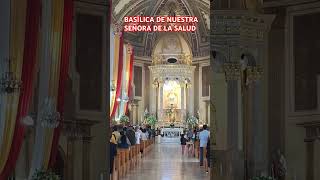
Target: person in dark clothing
[(113, 151), (131, 136), (183, 141), (124, 141), (208, 153)]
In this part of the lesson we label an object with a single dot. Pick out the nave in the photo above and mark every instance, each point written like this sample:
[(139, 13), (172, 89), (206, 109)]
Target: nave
[(165, 162)]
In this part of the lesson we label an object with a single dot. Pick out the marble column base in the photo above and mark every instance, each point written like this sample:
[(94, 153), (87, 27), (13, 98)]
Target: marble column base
[(228, 165)]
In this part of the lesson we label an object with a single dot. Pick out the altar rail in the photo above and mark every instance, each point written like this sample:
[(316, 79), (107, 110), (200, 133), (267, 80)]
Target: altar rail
[(128, 159)]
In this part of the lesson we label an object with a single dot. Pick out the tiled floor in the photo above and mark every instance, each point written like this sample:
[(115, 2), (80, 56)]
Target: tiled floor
[(165, 162)]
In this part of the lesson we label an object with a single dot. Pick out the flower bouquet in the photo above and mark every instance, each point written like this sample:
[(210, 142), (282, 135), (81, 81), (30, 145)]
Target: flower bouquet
[(44, 175), (152, 120), (124, 119), (192, 121)]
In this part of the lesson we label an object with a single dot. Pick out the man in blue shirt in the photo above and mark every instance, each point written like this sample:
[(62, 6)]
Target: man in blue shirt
[(204, 136)]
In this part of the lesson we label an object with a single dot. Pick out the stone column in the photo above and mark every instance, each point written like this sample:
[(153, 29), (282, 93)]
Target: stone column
[(152, 96), (208, 112), (86, 141), (318, 90), (310, 159), (232, 72), (190, 102), (133, 114), (70, 157), (160, 100), (182, 97)]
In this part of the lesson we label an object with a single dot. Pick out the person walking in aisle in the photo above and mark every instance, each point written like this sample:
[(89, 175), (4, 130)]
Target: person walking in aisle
[(183, 141), (203, 137)]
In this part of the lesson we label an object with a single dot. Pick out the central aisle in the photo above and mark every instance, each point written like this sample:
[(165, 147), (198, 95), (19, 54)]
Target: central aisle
[(165, 162)]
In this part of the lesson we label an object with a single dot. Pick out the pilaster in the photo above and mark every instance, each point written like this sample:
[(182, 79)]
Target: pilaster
[(242, 39)]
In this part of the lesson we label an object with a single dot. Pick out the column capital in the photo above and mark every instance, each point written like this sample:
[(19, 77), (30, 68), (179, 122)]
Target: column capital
[(232, 71)]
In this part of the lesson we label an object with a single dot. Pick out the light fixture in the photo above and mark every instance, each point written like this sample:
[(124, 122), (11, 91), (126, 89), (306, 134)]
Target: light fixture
[(155, 83), (9, 83), (188, 82), (113, 86)]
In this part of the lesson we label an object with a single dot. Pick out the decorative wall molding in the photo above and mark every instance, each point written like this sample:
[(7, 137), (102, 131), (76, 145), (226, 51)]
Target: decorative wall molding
[(172, 71)]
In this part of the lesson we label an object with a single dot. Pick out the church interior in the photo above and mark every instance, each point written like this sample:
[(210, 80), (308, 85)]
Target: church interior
[(71, 78)]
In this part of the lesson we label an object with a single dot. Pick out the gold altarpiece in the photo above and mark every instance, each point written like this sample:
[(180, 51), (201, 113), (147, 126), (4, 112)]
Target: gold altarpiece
[(172, 88)]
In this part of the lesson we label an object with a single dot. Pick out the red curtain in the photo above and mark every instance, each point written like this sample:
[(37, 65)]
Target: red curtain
[(29, 61), (64, 65), (130, 79), (120, 69)]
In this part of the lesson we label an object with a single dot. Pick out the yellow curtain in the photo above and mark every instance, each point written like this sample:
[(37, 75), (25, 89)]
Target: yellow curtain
[(56, 40), (115, 69), (17, 29)]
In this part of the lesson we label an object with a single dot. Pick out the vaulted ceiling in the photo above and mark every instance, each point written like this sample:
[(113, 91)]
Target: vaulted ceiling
[(144, 41)]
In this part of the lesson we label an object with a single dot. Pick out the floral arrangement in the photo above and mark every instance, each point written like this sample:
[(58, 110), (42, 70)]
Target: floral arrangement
[(44, 175), (263, 178), (152, 120), (124, 119), (192, 121)]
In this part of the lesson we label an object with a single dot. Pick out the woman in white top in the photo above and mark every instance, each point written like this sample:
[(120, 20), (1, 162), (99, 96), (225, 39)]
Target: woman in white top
[(138, 135), (144, 135)]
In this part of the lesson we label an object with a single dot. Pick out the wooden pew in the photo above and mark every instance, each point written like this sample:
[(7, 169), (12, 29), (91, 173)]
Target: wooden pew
[(127, 159), (197, 149)]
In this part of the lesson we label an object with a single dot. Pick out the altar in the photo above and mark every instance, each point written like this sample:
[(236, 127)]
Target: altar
[(171, 135), (172, 79), (171, 132)]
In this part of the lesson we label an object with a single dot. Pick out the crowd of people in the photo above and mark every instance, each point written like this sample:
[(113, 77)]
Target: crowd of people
[(126, 136), (188, 139)]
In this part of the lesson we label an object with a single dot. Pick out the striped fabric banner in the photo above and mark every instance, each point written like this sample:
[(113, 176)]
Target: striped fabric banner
[(4, 53), (125, 78), (53, 11), (116, 64), (17, 37), (117, 74), (57, 30), (126, 87), (129, 84)]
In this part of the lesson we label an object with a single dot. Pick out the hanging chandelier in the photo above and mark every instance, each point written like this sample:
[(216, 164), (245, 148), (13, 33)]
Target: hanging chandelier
[(49, 117), (9, 83)]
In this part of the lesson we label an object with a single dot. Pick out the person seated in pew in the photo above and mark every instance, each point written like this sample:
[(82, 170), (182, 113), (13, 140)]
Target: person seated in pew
[(124, 141), (144, 137), (113, 151), (131, 135)]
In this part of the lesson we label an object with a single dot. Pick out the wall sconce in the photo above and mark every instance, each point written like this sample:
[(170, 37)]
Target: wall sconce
[(9, 83), (113, 85)]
